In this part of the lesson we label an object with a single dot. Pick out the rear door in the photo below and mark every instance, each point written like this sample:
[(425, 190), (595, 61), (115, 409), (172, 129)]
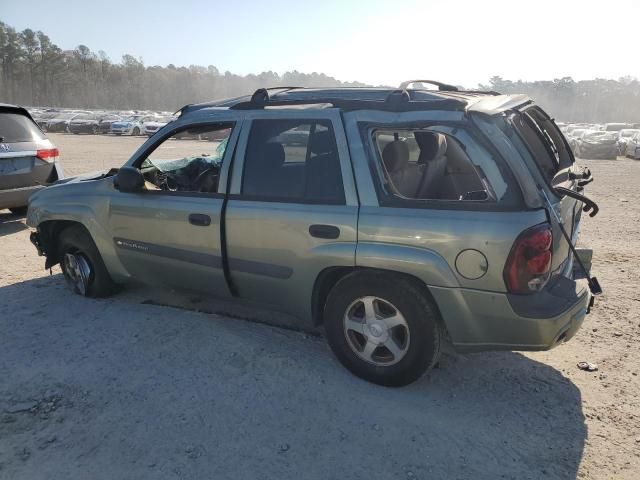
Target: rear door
[(292, 210), (554, 162)]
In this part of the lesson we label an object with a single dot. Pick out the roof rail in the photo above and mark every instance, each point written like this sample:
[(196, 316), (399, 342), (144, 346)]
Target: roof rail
[(261, 98), (444, 87)]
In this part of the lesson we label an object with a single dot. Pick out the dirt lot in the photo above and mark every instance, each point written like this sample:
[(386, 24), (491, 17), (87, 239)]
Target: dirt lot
[(118, 388)]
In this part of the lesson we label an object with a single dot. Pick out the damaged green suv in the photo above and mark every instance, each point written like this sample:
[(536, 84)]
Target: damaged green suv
[(399, 219)]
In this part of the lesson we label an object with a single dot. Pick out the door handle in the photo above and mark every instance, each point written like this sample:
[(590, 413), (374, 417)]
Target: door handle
[(324, 231), (199, 219)]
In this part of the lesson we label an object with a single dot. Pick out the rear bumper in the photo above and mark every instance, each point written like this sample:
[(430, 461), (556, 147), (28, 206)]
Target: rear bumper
[(479, 320), (17, 197), (16, 188)]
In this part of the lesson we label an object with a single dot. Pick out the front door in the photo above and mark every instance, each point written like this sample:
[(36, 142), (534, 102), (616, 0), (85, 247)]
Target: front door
[(292, 209), (169, 233)]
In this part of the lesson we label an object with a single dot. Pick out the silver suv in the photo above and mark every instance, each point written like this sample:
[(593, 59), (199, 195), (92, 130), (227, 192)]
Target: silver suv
[(398, 219), (28, 159)]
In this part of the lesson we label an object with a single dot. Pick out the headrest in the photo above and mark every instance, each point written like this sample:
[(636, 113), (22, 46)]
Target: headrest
[(322, 142), (273, 155), (395, 155), (432, 145)]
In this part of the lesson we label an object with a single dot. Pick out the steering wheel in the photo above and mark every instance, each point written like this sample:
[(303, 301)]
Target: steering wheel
[(207, 180)]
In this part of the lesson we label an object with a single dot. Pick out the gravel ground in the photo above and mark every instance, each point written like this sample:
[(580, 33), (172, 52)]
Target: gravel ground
[(121, 388)]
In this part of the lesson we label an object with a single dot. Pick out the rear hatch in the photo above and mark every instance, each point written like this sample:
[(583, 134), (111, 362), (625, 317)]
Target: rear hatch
[(25, 152), (552, 165)]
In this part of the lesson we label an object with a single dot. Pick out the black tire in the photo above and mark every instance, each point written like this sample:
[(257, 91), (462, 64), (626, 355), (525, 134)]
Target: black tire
[(136, 132), (77, 240), (94, 130), (420, 313), (21, 211)]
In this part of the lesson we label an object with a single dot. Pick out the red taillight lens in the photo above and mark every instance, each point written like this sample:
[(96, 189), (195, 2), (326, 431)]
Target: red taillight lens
[(47, 154), (527, 268)]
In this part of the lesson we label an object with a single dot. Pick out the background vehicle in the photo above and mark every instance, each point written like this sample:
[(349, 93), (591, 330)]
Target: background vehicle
[(84, 123), (105, 122), (130, 125), (397, 218), (28, 160), (602, 144), (623, 137), (60, 122), (151, 126), (632, 147), (615, 127)]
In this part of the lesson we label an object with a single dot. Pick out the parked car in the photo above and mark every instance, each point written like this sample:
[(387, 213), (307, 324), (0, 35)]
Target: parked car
[(632, 148), (60, 122), (603, 145), (85, 123), (152, 126), (105, 122), (43, 118), (615, 127), (28, 159), (130, 125), (407, 218), (623, 137)]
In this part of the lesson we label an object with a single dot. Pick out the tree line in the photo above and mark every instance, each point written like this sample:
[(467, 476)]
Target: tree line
[(36, 72)]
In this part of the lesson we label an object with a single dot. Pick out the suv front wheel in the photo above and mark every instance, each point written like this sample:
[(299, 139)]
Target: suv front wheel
[(82, 265), (382, 328)]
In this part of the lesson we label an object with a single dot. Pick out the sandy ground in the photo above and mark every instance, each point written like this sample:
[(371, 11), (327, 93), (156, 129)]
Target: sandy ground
[(119, 388)]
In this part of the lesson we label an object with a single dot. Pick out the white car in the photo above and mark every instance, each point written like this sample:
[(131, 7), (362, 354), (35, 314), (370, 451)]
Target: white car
[(152, 126), (130, 125)]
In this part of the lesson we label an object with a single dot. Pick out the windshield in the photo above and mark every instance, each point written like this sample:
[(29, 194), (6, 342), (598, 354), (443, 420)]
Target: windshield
[(628, 133), (15, 127), (600, 136)]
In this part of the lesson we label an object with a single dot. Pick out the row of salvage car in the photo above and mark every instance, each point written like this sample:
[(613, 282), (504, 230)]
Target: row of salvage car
[(606, 141), (131, 123)]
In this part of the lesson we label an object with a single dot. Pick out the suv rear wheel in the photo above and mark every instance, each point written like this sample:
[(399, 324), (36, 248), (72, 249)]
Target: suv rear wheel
[(82, 265), (382, 328)]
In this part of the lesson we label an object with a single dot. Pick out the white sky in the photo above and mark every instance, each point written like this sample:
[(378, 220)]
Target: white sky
[(375, 41)]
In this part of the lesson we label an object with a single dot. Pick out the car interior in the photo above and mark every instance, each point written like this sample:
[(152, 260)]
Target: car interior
[(192, 170), (427, 165)]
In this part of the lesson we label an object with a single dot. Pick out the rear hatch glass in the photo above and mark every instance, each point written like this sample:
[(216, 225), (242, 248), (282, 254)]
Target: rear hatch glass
[(16, 128), (549, 150)]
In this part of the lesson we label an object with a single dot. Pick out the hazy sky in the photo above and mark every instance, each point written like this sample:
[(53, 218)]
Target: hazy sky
[(379, 42)]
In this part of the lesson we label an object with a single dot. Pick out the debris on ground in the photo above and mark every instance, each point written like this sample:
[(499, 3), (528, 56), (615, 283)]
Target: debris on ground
[(588, 367)]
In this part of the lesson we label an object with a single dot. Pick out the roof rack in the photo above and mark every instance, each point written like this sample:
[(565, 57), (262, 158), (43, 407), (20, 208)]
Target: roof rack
[(443, 87)]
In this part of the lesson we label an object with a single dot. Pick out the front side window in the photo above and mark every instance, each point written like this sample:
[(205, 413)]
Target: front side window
[(191, 164), (424, 164), (293, 161)]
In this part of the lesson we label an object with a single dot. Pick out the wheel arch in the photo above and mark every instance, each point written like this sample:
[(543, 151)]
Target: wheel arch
[(329, 277), (49, 234)]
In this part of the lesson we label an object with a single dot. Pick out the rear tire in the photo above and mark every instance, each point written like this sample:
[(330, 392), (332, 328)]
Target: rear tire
[(82, 265), (136, 132), (403, 319)]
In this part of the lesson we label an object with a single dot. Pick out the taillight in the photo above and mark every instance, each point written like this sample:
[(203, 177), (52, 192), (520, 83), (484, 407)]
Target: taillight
[(47, 154), (529, 263)]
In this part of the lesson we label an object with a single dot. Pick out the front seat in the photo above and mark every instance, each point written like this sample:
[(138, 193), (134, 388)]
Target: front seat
[(265, 177), (433, 149), (402, 178)]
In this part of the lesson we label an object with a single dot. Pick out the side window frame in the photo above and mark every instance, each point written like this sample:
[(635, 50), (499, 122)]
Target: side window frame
[(374, 160), (175, 127), (328, 115)]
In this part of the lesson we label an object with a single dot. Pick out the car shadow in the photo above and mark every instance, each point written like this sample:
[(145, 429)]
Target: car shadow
[(217, 394), (10, 223)]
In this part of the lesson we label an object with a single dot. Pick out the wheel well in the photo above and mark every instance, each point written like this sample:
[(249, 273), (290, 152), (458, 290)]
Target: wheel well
[(49, 234), (328, 278)]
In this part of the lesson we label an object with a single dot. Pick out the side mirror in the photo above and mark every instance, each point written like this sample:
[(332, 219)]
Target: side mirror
[(129, 180)]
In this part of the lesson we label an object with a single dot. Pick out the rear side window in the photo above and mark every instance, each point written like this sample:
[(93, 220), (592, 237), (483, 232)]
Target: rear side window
[(15, 127), (293, 161), (429, 165)]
